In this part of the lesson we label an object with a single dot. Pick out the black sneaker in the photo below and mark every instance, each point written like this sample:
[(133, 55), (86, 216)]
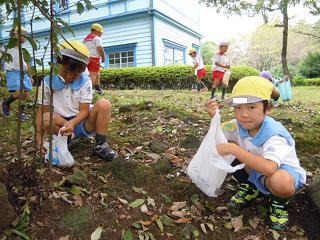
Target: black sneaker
[(5, 108), (245, 195), (104, 151), (278, 215), (99, 90)]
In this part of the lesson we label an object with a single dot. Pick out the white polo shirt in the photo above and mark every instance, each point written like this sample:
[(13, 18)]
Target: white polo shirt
[(14, 65), (198, 59), (92, 46), (222, 59), (275, 149), (66, 102)]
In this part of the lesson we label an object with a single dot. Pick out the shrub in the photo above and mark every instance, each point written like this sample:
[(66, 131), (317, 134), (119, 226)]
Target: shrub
[(168, 77), (299, 81), (310, 66)]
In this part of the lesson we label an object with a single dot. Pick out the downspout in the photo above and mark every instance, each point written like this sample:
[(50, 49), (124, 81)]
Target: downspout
[(150, 12)]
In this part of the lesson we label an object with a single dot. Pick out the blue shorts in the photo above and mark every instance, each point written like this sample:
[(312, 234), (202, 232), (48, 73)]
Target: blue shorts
[(13, 81), (258, 179), (79, 130)]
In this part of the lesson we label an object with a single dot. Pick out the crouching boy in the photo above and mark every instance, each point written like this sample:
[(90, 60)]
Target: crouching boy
[(265, 146), (73, 114)]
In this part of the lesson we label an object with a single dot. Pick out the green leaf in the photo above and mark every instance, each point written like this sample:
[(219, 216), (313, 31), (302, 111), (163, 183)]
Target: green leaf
[(32, 42), (136, 203), (275, 235), (96, 235), (160, 225), (20, 234), (139, 190), (76, 190), (12, 42), (136, 225), (151, 236), (167, 221), (194, 198), (37, 18), (66, 25), (167, 199), (159, 129), (80, 7), (103, 204), (26, 55), (127, 235)]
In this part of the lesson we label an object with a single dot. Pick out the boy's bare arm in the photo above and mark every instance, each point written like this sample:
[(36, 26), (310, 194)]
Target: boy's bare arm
[(260, 164), (41, 110), (101, 53), (221, 65)]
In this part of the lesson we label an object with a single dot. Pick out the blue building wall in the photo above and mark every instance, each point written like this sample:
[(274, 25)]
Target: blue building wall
[(145, 27)]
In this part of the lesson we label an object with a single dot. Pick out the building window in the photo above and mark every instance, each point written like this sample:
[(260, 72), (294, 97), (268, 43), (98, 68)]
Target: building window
[(62, 4), (174, 54), (121, 56)]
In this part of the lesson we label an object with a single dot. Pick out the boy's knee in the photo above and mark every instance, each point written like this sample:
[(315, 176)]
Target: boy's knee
[(281, 183), (103, 104)]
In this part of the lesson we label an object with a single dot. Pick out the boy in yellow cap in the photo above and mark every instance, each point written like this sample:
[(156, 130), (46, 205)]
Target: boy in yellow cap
[(12, 69), (200, 69), (74, 115), (94, 43), (264, 145)]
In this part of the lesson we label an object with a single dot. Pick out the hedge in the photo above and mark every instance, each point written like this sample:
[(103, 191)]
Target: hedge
[(299, 81), (168, 77)]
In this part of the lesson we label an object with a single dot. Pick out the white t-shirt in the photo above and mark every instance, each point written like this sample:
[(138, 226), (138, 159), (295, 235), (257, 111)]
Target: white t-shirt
[(275, 149), (198, 59), (92, 46), (66, 102), (14, 65), (222, 59)]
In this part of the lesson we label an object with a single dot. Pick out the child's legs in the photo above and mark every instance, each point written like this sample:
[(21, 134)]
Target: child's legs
[(57, 122), (99, 117), (94, 76), (282, 183)]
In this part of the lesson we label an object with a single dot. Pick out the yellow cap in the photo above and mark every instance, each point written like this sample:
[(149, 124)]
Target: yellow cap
[(76, 50), (191, 50), (97, 27), (23, 31), (250, 90)]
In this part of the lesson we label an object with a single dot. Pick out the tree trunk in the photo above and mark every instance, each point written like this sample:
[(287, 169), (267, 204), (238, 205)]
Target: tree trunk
[(285, 38)]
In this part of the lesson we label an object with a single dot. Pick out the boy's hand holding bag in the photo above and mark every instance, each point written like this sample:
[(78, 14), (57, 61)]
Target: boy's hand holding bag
[(208, 169)]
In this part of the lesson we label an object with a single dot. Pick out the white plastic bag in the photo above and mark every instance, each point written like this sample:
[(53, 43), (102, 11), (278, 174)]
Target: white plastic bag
[(61, 157), (208, 169), (226, 77)]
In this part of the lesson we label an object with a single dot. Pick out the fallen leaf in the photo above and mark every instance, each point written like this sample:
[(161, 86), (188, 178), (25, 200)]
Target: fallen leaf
[(67, 237), (102, 179), (183, 220), (210, 226), (77, 200), (179, 214), (237, 223), (109, 174), (144, 208), (123, 200), (168, 221), (96, 235), (139, 190), (151, 236), (136, 225), (151, 202), (167, 199), (178, 205), (176, 161), (146, 223), (219, 209), (254, 222), (136, 203), (275, 234), (127, 235), (160, 225), (203, 228)]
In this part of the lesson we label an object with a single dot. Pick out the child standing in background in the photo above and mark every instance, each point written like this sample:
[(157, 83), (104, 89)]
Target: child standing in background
[(12, 69), (200, 69), (220, 64)]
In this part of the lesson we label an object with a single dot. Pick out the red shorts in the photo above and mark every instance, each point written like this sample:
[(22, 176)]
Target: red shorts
[(201, 73), (94, 65), (217, 76)]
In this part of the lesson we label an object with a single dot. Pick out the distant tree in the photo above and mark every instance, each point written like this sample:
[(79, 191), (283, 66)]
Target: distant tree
[(263, 7), (310, 66), (208, 49)]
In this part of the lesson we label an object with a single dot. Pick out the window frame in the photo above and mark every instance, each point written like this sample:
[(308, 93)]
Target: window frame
[(175, 46), (121, 49)]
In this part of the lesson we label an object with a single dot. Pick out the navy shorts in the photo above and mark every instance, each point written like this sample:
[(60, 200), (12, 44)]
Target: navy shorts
[(258, 179)]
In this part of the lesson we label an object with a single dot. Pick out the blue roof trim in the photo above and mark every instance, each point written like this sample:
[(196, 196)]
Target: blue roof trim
[(172, 44), (119, 48)]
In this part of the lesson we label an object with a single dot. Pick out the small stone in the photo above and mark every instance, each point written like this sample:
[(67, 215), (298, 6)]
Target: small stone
[(158, 146), (191, 141), (79, 178)]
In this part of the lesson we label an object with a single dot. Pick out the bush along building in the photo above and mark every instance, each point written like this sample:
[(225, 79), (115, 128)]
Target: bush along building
[(137, 32)]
